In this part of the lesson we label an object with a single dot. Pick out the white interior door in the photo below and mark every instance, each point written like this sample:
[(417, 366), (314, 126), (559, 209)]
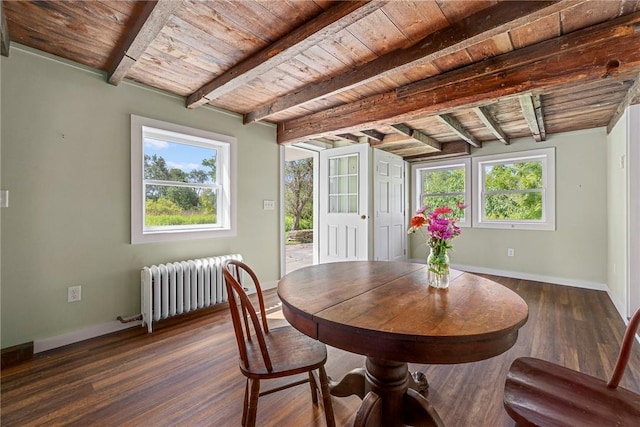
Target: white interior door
[(344, 204), (389, 221)]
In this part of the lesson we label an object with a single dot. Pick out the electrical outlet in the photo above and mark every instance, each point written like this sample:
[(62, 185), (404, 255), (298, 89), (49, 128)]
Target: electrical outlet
[(510, 252), (268, 205), (74, 293)]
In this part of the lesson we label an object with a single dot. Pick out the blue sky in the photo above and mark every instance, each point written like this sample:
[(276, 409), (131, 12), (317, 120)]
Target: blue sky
[(181, 156)]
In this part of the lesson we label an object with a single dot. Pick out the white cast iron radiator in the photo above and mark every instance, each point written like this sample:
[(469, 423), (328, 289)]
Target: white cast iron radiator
[(180, 287)]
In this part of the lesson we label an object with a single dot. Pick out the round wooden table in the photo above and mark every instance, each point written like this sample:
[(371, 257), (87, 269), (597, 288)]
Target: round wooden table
[(387, 312)]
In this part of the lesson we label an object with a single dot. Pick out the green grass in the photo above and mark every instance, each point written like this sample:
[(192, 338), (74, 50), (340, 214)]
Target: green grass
[(166, 219)]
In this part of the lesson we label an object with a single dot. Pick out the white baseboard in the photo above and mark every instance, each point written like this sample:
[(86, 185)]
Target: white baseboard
[(527, 276), (81, 335), (98, 330)]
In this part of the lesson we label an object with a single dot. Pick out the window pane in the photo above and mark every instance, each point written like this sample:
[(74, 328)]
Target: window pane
[(514, 206), (343, 184), (171, 161), (434, 201), (443, 181), (513, 176), (174, 205)]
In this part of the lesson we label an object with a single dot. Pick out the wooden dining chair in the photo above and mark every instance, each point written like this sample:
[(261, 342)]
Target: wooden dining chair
[(271, 353), (541, 393)]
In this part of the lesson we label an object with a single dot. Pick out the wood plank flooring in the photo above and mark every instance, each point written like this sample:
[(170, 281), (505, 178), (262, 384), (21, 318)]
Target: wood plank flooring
[(186, 373)]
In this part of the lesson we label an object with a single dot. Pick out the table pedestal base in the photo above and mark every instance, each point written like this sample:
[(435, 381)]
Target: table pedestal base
[(387, 399)]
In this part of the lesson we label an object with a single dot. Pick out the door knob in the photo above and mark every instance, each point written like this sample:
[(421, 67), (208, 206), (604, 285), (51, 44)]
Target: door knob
[(363, 217)]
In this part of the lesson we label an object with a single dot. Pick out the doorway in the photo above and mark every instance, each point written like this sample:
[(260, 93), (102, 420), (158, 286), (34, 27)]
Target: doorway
[(299, 183), (359, 206)]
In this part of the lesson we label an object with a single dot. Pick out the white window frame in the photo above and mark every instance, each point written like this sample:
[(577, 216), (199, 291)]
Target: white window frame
[(225, 177), (416, 177), (547, 157)]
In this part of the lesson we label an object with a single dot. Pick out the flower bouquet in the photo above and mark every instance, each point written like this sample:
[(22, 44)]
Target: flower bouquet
[(441, 228)]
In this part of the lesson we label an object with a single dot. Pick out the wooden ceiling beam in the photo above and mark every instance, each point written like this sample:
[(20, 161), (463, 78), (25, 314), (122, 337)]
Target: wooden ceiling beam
[(4, 32), (418, 136), (490, 122), (632, 97), (450, 149), (406, 134), (373, 134), (152, 20), (470, 31), (321, 28), (580, 56), (349, 137), (532, 111), (459, 130)]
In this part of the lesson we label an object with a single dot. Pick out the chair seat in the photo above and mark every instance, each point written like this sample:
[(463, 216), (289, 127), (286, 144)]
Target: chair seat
[(291, 353), (542, 393)]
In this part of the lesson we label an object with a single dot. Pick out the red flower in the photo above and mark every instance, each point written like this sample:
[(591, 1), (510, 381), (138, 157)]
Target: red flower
[(418, 221), (443, 210)]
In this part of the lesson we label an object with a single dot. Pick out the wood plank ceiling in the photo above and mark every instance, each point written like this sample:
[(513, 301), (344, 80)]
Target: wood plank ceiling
[(421, 79)]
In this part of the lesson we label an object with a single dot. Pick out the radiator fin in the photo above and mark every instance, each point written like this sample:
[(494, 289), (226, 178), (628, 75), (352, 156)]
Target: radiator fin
[(179, 287)]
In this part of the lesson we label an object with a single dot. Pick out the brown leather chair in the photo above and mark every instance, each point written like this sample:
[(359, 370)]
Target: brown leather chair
[(267, 354), (541, 393)]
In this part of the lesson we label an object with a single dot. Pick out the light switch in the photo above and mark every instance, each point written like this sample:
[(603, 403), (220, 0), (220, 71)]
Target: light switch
[(4, 198), (268, 205)]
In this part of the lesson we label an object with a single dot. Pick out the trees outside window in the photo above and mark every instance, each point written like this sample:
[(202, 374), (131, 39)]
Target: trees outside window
[(299, 194), (182, 182), (515, 190), (444, 183)]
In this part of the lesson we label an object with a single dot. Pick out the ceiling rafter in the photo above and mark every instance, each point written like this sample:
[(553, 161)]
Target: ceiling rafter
[(152, 20), (632, 97), (490, 122), (586, 56), (323, 27), (373, 134), (408, 134), (349, 137), (5, 41), (475, 28), (532, 110), (455, 125), (450, 149)]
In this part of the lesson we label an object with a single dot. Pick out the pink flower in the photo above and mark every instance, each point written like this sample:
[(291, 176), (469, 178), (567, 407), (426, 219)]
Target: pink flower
[(441, 228)]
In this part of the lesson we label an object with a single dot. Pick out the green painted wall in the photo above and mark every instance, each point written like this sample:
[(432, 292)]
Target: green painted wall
[(66, 163), (577, 250)]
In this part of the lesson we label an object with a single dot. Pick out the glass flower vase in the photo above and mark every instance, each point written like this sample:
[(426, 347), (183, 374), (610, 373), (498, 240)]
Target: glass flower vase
[(438, 265)]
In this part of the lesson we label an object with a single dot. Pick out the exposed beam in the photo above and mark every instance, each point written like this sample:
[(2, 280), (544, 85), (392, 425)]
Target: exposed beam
[(450, 149), (418, 136), (323, 27), (349, 137), (153, 18), (632, 97), (485, 117), (470, 31), (459, 130), (580, 56), (532, 111), (373, 134), (4, 32)]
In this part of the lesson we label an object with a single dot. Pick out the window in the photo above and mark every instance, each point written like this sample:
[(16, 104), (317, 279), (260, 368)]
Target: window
[(181, 182), (515, 190), (343, 184), (443, 184)]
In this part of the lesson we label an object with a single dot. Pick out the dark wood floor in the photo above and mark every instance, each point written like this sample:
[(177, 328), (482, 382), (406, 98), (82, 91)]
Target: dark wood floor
[(186, 373)]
